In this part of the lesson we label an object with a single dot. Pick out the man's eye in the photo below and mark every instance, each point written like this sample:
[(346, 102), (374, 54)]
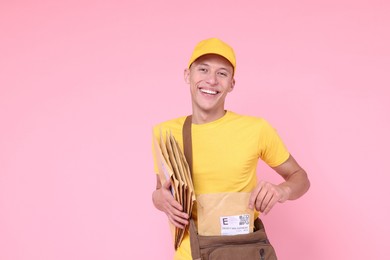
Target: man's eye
[(202, 69), (223, 74)]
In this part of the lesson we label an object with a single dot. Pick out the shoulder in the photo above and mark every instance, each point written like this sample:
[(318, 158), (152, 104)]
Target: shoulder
[(171, 122), (173, 125), (248, 121)]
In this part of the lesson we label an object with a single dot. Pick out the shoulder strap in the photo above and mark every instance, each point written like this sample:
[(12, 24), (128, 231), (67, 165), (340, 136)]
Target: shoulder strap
[(194, 241), (187, 145), (187, 140)]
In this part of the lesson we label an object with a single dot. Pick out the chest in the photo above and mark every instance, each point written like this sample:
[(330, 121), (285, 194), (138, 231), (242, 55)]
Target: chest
[(234, 153)]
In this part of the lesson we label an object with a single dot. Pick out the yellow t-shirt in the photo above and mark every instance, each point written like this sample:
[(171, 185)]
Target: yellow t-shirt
[(225, 155)]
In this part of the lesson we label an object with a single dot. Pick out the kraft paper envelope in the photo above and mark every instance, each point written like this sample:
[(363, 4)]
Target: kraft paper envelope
[(172, 165), (181, 187), (164, 169), (187, 172), (224, 214), (185, 176), (175, 169), (165, 173), (188, 179)]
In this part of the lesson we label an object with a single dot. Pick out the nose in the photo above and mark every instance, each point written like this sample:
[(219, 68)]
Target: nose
[(212, 79)]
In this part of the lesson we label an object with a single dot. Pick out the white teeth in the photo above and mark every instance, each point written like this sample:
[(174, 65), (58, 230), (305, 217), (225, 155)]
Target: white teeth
[(211, 92)]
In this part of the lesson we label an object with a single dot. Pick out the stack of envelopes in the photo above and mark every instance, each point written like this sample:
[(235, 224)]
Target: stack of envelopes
[(173, 165)]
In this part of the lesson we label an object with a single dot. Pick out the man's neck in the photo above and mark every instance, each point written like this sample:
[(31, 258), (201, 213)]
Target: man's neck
[(203, 117)]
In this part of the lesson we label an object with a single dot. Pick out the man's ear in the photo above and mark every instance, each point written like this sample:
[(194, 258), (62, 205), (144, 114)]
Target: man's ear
[(233, 84), (187, 76)]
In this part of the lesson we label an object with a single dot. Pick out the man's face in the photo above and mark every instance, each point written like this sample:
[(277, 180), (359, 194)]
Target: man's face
[(210, 78)]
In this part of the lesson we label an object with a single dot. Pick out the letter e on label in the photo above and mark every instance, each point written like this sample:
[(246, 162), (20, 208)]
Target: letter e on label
[(225, 221)]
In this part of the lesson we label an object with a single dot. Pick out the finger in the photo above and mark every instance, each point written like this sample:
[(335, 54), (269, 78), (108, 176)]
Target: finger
[(179, 213), (253, 196), (261, 197), (180, 218), (266, 199), (172, 207), (175, 223), (265, 195), (174, 203), (270, 205)]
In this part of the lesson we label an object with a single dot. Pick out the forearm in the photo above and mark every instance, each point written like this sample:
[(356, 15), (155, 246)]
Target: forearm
[(296, 184)]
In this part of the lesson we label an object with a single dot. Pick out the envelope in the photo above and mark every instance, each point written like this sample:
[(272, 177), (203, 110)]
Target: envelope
[(172, 165), (224, 214)]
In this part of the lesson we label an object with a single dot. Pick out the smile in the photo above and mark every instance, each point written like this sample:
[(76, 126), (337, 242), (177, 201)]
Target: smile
[(208, 91)]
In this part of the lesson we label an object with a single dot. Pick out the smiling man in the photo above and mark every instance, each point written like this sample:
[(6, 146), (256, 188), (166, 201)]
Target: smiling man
[(210, 78), (226, 146)]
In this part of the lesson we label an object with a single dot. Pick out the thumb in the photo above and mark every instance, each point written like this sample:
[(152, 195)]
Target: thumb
[(167, 184), (253, 197)]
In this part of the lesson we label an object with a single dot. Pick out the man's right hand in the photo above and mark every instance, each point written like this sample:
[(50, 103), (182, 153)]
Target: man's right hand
[(164, 201)]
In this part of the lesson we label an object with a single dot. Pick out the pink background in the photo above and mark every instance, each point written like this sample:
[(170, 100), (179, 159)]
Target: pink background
[(83, 82)]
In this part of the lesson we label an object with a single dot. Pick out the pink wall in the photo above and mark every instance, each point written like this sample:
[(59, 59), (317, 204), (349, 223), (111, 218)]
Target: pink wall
[(82, 83)]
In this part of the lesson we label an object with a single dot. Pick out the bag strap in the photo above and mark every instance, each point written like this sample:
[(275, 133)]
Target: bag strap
[(187, 141), (194, 241), (187, 147)]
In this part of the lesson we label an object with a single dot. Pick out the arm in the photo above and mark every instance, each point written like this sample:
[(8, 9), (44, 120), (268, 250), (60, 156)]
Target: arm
[(296, 183), (164, 201)]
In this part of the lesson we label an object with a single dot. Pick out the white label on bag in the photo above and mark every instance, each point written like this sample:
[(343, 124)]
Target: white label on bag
[(235, 225)]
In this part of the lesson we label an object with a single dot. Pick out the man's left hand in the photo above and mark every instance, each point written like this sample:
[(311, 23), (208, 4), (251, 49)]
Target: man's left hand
[(264, 197)]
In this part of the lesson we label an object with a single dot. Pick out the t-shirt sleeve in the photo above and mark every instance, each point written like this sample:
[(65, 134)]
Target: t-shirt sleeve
[(155, 134), (272, 149), (160, 131)]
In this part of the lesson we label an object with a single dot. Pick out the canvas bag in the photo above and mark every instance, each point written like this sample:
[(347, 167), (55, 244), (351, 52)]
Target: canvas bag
[(254, 245)]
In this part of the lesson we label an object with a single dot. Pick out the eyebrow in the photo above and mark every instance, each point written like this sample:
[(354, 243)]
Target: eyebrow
[(206, 64)]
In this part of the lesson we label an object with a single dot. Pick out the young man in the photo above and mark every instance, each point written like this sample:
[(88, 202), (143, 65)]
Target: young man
[(226, 146)]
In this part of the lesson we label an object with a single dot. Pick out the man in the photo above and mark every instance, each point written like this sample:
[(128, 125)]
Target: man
[(226, 146)]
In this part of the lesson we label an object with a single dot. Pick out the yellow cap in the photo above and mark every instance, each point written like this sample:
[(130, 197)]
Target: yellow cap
[(214, 46)]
